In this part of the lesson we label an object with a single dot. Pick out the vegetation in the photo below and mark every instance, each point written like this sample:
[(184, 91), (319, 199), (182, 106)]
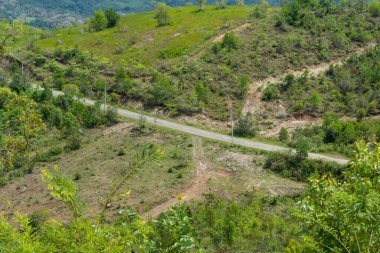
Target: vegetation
[(26, 114), (199, 61), (342, 215), (246, 126), (350, 89), (255, 223), (299, 168), (162, 14)]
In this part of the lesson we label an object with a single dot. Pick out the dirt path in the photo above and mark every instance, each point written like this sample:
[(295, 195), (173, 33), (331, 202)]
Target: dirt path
[(216, 39), (240, 28), (253, 102), (198, 185)]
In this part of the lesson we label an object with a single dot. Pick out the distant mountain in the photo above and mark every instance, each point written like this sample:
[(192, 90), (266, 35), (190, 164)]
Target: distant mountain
[(53, 13)]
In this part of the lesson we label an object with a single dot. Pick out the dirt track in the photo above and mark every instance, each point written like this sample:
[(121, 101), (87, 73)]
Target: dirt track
[(253, 103)]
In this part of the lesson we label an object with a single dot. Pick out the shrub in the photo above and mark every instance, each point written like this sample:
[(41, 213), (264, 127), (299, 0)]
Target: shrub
[(270, 93), (39, 60), (230, 41), (374, 8), (73, 142), (246, 126), (290, 166), (54, 151), (77, 176), (122, 152), (3, 181), (37, 219), (283, 135)]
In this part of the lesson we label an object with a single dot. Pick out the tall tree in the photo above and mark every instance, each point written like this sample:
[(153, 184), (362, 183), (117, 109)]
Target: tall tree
[(162, 14), (99, 22), (112, 17)]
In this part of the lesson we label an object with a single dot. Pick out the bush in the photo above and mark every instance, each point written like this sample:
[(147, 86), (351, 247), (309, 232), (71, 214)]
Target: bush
[(37, 219), (290, 166), (73, 142), (283, 135), (54, 151), (39, 60), (230, 41), (270, 93), (3, 181), (374, 8), (246, 126), (77, 176)]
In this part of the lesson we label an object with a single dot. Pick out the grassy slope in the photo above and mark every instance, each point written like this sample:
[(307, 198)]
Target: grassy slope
[(228, 173), (188, 31)]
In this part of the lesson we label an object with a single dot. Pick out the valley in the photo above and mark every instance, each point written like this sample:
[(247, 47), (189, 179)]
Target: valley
[(201, 127)]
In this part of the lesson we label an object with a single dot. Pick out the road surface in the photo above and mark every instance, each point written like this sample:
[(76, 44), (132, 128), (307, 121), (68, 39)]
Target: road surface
[(205, 133)]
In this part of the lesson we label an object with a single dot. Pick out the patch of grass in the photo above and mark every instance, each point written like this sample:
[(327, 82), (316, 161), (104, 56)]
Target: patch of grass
[(188, 30)]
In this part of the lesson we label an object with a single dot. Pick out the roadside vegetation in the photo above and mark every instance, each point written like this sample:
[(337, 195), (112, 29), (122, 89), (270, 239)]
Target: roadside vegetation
[(78, 178)]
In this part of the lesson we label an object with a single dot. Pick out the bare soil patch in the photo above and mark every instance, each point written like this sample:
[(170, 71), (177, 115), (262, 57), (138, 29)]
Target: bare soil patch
[(275, 110), (240, 28)]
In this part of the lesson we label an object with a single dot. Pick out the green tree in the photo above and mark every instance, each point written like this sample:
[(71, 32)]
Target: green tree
[(112, 17), (344, 216), (203, 92), (162, 14), (315, 101), (230, 41), (11, 31), (246, 126), (99, 22), (302, 148), (162, 90), (20, 121), (71, 89)]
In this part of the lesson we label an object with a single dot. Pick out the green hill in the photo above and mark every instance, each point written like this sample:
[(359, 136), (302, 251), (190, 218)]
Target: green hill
[(49, 14), (192, 58)]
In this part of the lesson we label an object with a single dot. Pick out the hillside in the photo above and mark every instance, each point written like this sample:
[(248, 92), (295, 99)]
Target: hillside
[(222, 129), (50, 14)]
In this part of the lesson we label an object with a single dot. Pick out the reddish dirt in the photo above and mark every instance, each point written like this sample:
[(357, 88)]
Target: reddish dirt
[(196, 188)]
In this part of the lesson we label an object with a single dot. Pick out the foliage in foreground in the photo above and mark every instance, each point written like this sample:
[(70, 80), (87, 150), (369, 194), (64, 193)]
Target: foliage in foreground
[(337, 215), (344, 215)]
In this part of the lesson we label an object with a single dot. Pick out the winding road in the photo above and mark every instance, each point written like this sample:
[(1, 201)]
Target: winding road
[(205, 133)]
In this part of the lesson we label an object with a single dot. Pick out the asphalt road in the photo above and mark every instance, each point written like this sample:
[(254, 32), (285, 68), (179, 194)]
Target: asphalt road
[(208, 134)]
